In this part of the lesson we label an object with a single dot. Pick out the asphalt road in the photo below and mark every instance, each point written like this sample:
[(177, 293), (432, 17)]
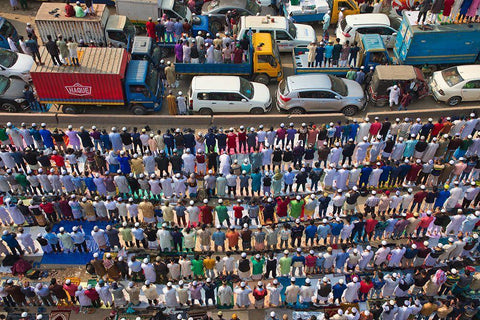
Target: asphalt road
[(19, 18)]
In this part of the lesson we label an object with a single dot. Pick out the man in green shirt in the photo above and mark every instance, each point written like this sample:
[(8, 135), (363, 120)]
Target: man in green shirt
[(4, 136), (222, 213), (79, 12), (351, 74), (257, 266), (285, 263), (296, 207), (197, 267)]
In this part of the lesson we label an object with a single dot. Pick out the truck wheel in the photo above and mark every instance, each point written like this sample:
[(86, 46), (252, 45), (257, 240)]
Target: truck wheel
[(297, 110), (206, 112), (9, 107), (262, 78), (138, 110), (453, 101), (257, 111), (70, 109), (349, 110)]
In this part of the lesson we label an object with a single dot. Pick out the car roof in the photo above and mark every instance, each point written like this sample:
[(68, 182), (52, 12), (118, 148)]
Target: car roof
[(225, 4), (469, 72), (367, 19), (309, 81), (396, 72), (218, 83), (278, 22)]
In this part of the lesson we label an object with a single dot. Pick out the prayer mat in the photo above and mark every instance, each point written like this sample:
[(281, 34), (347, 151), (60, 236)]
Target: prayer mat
[(60, 315)]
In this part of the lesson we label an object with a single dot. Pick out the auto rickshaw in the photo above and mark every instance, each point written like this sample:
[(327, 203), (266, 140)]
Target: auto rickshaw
[(408, 78)]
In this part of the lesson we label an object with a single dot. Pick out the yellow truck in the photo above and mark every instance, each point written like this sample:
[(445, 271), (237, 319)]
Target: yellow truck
[(262, 63)]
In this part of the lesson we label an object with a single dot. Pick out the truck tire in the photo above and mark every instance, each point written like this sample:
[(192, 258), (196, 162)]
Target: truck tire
[(205, 112), (9, 107), (262, 78), (257, 111), (349, 110), (68, 109), (297, 110), (138, 110), (453, 101)]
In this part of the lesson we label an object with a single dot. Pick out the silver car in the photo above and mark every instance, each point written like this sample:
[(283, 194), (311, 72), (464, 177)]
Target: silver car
[(243, 7), (319, 93)]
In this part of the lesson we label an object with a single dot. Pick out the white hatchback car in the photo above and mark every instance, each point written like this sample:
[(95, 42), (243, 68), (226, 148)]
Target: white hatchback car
[(15, 65), (228, 94), (456, 84)]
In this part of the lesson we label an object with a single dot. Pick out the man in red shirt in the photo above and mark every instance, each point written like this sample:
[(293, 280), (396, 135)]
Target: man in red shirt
[(365, 286), (259, 293), (418, 198), (150, 26), (231, 141), (282, 206), (242, 140), (49, 210), (424, 223), (310, 262), (370, 226), (238, 212), (206, 215), (375, 128), (58, 159), (281, 133), (93, 295), (412, 174), (437, 128)]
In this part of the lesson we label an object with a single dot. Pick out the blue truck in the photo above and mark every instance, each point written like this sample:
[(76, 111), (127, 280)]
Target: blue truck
[(105, 77), (372, 52), (443, 44), (6, 29)]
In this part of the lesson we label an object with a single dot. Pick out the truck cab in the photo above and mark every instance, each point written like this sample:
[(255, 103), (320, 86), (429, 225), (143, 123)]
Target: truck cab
[(119, 31), (349, 6), (266, 59), (6, 29), (143, 48), (372, 51), (314, 10), (143, 88)]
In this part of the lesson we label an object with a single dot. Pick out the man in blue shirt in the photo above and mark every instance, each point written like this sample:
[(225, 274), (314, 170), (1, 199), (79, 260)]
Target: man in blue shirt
[(340, 259), (338, 290), (298, 262), (11, 242), (36, 135), (210, 140), (219, 238), (46, 137), (323, 230), (288, 178), (310, 232), (364, 175), (124, 162), (291, 132)]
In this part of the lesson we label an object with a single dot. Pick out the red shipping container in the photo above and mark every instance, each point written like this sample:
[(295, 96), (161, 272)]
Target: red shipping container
[(97, 81)]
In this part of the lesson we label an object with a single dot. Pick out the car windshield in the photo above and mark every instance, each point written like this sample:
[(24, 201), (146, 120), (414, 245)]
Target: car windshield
[(246, 88), (338, 86), (6, 29), (8, 58), (343, 24), (152, 79), (253, 7), (452, 76), (283, 86), (4, 84), (129, 28), (292, 29), (181, 9)]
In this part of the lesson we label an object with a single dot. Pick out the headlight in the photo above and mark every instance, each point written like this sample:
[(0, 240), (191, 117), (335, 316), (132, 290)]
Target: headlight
[(19, 100)]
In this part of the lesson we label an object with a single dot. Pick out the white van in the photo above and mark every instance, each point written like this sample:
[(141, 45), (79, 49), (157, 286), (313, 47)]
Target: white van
[(367, 23), (213, 94), (288, 35)]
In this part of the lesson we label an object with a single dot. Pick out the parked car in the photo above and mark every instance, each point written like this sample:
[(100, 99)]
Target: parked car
[(320, 92), (243, 7), (456, 84), (11, 94), (214, 94), (15, 65), (367, 23)]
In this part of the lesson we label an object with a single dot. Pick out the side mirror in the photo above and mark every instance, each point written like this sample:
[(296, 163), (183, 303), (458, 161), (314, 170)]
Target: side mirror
[(244, 100), (338, 97), (394, 34)]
